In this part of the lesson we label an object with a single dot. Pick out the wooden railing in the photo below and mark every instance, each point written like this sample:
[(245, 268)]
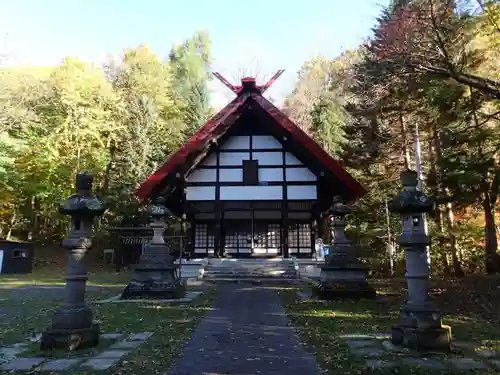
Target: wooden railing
[(130, 242)]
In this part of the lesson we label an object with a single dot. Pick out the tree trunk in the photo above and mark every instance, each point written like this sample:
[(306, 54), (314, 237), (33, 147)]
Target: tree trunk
[(454, 249), (489, 189), (109, 167), (434, 176), (12, 222), (490, 236), (34, 225)]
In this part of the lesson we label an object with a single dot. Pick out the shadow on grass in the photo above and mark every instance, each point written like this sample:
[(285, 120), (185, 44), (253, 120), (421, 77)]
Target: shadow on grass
[(172, 327), (320, 323)]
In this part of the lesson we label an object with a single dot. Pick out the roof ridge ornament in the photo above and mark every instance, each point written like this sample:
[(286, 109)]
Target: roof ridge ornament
[(248, 82)]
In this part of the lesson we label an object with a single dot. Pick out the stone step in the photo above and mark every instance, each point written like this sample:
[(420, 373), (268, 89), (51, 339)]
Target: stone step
[(247, 274), (229, 270), (250, 272), (249, 261), (239, 272), (250, 265), (255, 280), (235, 275), (250, 268), (250, 277), (233, 270), (271, 265)]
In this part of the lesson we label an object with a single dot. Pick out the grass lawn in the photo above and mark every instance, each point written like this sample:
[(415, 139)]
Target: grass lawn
[(172, 324), (320, 323)]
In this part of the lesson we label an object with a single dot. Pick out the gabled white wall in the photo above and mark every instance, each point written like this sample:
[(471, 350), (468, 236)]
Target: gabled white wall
[(274, 173)]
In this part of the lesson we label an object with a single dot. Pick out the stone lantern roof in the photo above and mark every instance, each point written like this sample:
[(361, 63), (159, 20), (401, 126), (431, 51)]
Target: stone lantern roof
[(338, 208), (411, 200), (83, 203)]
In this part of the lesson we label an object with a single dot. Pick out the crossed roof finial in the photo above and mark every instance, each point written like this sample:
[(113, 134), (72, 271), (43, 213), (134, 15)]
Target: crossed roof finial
[(248, 80)]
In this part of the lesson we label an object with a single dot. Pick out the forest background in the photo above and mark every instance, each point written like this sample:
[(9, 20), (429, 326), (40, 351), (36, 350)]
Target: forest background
[(429, 76)]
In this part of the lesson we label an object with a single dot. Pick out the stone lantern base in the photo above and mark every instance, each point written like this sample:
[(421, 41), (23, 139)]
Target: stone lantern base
[(155, 276), (71, 329), (422, 338), (156, 282), (420, 328), (347, 281)]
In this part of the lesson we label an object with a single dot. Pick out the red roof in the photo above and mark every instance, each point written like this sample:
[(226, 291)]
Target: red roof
[(218, 124)]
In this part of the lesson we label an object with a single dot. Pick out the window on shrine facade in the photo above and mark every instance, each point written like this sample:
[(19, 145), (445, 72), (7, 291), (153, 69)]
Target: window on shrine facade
[(250, 172)]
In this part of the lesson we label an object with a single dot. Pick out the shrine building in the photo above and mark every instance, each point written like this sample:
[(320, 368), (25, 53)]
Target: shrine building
[(250, 182)]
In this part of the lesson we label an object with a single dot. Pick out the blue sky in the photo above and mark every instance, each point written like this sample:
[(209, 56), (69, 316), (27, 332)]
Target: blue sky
[(249, 37)]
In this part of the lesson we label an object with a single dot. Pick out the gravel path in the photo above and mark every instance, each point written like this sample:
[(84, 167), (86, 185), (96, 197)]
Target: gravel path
[(247, 333)]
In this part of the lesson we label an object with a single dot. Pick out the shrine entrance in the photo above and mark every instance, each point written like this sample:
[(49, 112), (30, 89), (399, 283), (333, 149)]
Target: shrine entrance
[(252, 238)]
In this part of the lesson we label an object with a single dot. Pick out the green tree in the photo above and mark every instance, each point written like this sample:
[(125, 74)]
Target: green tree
[(191, 63), (149, 113), (328, 119)]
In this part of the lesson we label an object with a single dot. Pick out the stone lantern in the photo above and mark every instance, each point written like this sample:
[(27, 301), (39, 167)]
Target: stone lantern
[(342, 275), (420, 324), (72, 325), (156, 274)]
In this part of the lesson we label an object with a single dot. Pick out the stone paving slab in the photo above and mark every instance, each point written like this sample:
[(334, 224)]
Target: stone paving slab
[(376, 348), (487, 353), (304, 296), (379, 363), (141, 336), (464, 344), (467, 364), (369, 352), (22, 364), (357, 336), (383, 336), (11, 351), (247, 332), (190, 296), (60, 364), (104, 360), (356, 344), (126, 345), (390, 347), (113, 354), (100, 363), (430, 363), (111, 336)]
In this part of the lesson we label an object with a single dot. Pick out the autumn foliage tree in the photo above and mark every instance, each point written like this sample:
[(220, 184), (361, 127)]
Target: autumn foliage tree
[(432, 36), (431, 66)]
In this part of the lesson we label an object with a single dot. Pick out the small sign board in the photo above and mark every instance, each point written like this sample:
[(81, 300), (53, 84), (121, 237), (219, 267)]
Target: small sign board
[(319, 246)]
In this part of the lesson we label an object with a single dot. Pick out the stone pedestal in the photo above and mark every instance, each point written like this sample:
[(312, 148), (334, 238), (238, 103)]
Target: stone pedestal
[(420, 324), (156, 274), (342, 275), (72, 325)]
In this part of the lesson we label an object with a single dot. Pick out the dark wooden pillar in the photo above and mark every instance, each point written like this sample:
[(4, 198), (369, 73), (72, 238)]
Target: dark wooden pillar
[(192, 234), (183, 215), (221, 230), (218, 230), (284, 227), (218, 214), (284, 206), (320, 226), (314, 234)]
